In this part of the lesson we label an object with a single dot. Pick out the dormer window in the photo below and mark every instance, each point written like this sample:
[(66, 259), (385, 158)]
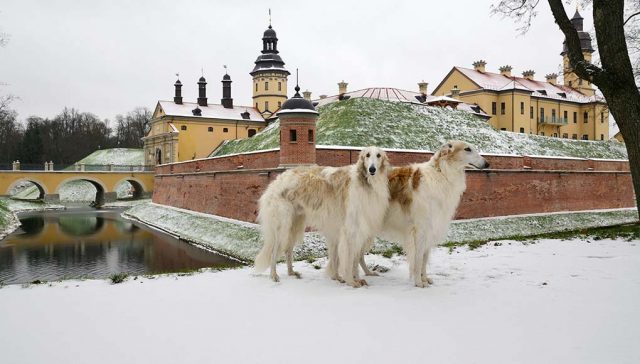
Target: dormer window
[(543, 92), (563, 94)]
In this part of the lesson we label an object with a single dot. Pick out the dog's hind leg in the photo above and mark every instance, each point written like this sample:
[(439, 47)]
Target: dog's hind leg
[(296, 236), (425, 261), (367, 271), (332, 255), (363, 263)]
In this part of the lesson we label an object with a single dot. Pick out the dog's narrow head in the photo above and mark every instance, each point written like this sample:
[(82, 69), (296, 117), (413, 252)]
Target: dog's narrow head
[(372, 161), (461, 154)]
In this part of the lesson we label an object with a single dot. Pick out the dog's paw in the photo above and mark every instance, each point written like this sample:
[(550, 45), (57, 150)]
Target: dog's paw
[(362, 282), (422, 284), (355, 284), (275, 278), (427, 280)]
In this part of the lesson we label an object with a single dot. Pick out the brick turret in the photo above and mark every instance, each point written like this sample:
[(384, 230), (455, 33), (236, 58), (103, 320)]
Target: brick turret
[(297, 131)]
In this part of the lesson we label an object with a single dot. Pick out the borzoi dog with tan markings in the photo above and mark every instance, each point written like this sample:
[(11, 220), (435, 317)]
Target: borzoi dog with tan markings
[(346, 204), (424, 199)]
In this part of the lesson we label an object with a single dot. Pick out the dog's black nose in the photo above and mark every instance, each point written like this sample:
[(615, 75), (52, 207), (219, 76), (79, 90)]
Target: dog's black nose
[(372, 170), (486, 164)]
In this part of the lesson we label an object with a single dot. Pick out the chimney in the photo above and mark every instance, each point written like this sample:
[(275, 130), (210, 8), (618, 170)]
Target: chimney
[(505, 70), (342, 87), (552, 78), (178, 96), (455, 92), (307, 95), (227, 101), (528, 74), (202, 92), (479, 65), (422, 87)]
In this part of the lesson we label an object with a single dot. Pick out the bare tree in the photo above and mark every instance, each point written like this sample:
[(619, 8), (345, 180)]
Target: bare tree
[(615, 77)]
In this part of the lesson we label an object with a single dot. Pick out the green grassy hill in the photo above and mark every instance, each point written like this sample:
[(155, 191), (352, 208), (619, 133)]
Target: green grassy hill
[(119, 156), (360, 122)]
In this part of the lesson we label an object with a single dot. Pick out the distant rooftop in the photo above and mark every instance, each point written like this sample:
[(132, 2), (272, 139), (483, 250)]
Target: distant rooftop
[(211, 111), (398, 95), (542, 89)]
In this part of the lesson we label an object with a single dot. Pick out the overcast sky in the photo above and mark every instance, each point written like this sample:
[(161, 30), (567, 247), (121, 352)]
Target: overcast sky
[(110, 56)]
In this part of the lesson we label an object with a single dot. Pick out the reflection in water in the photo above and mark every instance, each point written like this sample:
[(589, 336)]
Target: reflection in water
[(93, 243)]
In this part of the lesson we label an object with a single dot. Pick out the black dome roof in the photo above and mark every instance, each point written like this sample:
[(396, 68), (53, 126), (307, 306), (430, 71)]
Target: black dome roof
[(297, 104), (269, 33), (226, 77), (202, 79)]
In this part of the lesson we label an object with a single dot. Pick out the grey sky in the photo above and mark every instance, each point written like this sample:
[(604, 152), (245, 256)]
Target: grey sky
[(109, 56)]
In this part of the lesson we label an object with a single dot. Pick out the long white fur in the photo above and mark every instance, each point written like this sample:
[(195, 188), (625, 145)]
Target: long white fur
[(348, 214), (425, 223)]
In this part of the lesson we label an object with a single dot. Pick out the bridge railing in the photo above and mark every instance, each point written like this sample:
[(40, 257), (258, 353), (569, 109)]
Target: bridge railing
[(77, 167)]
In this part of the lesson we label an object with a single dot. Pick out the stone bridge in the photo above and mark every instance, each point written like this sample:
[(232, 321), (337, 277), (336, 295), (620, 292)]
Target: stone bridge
[(49, 182)]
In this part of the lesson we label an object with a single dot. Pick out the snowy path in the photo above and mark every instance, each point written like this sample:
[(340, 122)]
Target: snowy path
[(487, 306)]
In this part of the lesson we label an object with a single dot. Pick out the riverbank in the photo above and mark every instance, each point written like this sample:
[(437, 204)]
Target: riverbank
[(569, 301), (242, 241), (9, 208)]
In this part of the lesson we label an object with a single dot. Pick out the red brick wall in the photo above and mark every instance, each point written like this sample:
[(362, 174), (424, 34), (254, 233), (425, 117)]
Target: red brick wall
[(498, 193), (514, 185), (234, 194)]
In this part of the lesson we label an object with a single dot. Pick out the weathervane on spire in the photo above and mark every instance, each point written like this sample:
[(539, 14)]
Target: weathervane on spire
[(178, 74), (202, 71), (226, 72), (297, 86), (269, 17)]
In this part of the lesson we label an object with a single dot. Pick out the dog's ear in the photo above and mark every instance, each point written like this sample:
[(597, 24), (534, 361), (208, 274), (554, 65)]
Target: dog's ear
[(446, 149), (360, 165), (385, 165)]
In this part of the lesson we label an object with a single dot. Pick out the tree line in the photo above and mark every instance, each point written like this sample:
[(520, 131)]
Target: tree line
[(66, 138)]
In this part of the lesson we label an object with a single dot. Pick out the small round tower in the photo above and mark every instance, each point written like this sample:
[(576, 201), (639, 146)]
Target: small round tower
[(297, 131)]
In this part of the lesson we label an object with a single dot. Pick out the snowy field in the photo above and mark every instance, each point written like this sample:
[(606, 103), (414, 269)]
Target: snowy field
[(550, 302)]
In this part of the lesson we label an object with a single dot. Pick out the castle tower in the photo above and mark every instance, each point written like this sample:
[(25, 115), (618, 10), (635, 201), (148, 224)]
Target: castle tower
[(269, 77), (297, 131), (570, 78)]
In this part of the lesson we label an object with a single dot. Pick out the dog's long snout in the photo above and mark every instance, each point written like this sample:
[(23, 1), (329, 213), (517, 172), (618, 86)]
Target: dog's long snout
[(372, 170)]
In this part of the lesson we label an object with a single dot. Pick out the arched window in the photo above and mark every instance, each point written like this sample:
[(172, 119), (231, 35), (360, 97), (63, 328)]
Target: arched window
[(279, 86), (210, 129), (266, 86), (266, 105)]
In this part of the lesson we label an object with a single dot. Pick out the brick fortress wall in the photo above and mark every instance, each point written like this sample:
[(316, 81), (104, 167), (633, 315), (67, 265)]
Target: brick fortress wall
[(230, 186)]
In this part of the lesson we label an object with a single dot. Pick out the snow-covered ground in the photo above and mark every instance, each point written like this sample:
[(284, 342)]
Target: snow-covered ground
[(550, 302), (242, 240)]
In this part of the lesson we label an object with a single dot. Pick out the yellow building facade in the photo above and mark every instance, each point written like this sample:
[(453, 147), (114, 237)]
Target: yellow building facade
[(180, 131), (526, 105)]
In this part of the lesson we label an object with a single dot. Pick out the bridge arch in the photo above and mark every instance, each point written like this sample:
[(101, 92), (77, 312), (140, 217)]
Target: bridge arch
[(139, 187), (42, 188), (101, 190)]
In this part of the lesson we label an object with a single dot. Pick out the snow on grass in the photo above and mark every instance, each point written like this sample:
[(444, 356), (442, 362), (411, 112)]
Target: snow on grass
[(360, 122), (242, 240), (117, 156), (550, 302)]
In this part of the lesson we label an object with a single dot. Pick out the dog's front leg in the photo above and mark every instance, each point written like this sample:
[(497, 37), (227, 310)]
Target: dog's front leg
[(420, 246), (425, 261)]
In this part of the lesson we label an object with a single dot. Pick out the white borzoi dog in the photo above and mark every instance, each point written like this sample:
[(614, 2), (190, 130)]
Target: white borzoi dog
[(346, 204), (424, 199)]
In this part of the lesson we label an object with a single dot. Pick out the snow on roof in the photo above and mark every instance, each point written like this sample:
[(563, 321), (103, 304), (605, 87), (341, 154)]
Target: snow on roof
[(542, 89), (211, 111), (442, 98), (397, 95)]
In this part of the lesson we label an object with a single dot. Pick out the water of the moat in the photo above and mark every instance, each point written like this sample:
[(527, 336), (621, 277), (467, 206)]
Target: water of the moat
[(89, 243)]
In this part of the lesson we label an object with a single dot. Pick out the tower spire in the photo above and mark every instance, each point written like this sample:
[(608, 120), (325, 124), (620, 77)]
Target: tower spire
[(297, 86), (269, 18)]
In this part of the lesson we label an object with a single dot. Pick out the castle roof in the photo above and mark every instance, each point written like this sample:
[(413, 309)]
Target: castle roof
[(211, 111), (398, 95), (542, 89)]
